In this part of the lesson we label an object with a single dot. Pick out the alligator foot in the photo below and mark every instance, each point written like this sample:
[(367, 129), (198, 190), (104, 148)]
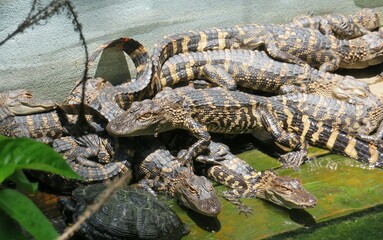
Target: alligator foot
[(233, 197), (207, 159), (293, 159), (217, 153), (242, 208)]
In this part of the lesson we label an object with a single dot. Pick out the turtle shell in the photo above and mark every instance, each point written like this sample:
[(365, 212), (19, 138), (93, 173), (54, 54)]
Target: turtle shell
[(128, 214)]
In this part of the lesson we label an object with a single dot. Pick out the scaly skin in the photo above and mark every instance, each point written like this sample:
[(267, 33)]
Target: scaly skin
[(305, 45), (257, 71), (101, 96), (245, 181), (341, 26), (156, 169), (42, 126), (148, 83), (22, 102), (110, 101), (360, 119), (231, 112), (90, 156)]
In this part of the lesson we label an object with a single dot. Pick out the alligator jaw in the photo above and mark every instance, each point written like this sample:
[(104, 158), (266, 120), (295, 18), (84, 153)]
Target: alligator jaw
[(22, 102), (285, 191), (197, 193)]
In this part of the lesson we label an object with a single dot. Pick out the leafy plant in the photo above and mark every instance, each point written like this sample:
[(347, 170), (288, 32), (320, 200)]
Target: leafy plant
[(16, 155)]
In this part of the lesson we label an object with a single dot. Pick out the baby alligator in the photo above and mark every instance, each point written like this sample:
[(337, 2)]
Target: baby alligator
[(110, 101), (148, 83), (305, 45), (256, 70), (232, 112), (22, 102), (158, 170), (247, 182), (341, 26), (44, 126), (360, 119), (90, 156)]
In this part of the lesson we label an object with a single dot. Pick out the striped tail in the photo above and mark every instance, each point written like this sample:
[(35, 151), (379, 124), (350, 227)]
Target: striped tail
[(342, 142), (105, 172)]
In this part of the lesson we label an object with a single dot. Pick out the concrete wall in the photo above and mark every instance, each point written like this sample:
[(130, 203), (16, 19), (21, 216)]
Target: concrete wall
[(48, 59)]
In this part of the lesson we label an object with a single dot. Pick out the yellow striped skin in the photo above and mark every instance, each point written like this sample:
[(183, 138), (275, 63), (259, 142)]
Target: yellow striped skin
[(39, 125), (232, 112), (341, 26), (158, 171), (256, 70), (305, 45), (246, 182)]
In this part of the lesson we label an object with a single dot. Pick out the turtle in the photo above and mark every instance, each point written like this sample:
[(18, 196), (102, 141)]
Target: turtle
[(129, 213)]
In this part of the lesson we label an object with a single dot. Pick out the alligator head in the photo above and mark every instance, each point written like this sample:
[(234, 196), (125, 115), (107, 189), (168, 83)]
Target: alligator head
[(142, 118), (352, 90), (197, 193), (365, 51), (148, 117), (374, 42), (284, 191), (362, 22), (368, 18), (21, 102)]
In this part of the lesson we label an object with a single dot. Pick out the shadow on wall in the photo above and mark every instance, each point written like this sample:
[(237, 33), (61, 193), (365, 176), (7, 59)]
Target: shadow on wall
[(368, 3), (113, 66)]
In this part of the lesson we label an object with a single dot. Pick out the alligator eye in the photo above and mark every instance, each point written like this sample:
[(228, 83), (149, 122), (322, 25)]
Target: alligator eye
[(28, 95), (146, 116), (192, 190), (360, 93), (285, 190)]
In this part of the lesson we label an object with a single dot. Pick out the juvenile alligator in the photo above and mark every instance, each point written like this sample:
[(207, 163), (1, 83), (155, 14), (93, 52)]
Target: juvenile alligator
[(158, 171), (245, 181), (44, 126), (148, 81), (341, 26), (101, 96), (256, 70), (148, 69), (305, 45), (90, 156), (148, 84), (22, 102), (232, 112), (361, 119)]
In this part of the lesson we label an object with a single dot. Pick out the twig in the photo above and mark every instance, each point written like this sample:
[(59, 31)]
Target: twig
[(78, 28), (51, 9)]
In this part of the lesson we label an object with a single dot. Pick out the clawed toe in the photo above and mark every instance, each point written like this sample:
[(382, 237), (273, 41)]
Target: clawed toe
[(245, 210), (293, 159)]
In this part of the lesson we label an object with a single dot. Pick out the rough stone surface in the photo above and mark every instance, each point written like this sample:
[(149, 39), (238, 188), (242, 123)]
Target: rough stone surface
[(48, 59)]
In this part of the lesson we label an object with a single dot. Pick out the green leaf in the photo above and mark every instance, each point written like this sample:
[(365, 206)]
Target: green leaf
[(9, 229), (22, 181), (24, 153), (22, 209)]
